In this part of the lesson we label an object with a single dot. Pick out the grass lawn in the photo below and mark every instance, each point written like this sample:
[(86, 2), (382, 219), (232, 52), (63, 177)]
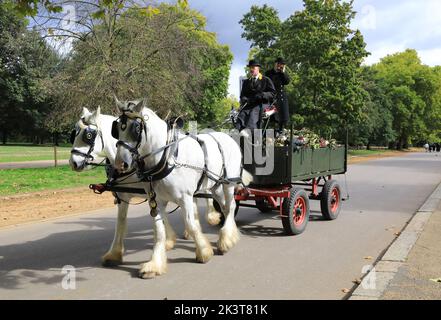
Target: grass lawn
[(361, 153), (15, 181), (17, 153)]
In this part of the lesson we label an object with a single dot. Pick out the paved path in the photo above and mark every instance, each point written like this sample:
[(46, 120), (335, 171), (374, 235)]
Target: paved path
[(31, 164), (420, 276), (265, 265)]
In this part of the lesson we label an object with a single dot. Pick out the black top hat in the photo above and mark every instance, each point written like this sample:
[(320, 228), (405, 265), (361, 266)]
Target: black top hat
[(254, 63), (280, 60)]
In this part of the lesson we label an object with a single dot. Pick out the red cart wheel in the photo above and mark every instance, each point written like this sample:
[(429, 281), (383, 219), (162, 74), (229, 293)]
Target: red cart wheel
[(330, 201), (295, 212)]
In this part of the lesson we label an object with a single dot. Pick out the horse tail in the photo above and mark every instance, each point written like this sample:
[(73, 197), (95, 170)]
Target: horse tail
[(246, 177)]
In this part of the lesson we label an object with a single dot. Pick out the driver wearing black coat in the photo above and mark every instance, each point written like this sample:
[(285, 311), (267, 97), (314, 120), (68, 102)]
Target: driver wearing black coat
[(256, 91)]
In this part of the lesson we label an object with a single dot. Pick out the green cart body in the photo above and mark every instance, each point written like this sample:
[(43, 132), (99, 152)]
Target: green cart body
[(300, 174)]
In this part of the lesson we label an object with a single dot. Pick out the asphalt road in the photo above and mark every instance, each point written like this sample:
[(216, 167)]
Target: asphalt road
[(265, 264)]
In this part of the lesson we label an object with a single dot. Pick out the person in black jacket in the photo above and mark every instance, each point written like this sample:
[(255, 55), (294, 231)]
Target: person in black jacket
[(256, 91), (280, 79)]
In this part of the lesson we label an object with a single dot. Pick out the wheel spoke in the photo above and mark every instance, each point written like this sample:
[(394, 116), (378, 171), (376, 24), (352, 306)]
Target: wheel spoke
[(299, 212), (335, 196)]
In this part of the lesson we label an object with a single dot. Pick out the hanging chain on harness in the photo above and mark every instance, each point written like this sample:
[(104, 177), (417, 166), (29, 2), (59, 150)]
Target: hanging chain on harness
[(152, 201)]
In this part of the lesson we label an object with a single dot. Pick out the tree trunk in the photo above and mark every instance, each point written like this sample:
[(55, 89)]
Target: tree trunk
[(55, 137), (368, 147), (400, 143), (391, 145), (4, 136)]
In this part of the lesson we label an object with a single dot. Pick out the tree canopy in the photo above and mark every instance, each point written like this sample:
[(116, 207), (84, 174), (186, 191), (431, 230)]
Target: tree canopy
[(323, 54), (162, 53), (395, 102), (25, 62)]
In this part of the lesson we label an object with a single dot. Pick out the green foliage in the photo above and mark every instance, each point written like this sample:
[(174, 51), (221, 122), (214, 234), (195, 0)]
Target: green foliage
[(376, 125), (30, 7), (324, 56), (396, 102), (165, 56), (261, 26), (412, 89), (26, 61)]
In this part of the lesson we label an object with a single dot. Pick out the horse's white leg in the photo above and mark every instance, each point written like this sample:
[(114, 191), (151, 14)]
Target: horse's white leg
[(170, 234), (213, 217), (114, 256), (187, 234), (204, 250), (229, 234), (158, 263)]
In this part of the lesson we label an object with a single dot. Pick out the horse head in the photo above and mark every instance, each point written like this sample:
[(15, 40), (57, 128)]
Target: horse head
[(131, 130), (87, 140)]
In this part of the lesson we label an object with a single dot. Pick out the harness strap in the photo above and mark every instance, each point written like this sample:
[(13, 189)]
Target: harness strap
[(85, 155), (204, 172), (168, 145), (91, 148), (127, 146), (223, 170), (163, 168)]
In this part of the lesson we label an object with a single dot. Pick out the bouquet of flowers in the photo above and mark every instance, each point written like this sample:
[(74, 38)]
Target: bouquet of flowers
[(304, 138)]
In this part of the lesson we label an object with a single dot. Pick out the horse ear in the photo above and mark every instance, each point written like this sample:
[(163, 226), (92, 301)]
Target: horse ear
[(85, 112), (94, 116), (139, 106), (119, 104), (176, 121)]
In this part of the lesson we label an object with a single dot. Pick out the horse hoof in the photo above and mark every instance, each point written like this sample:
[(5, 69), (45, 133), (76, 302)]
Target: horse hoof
[(170, 244), (214, 218), (111, 263), (147, 275), (187, 235), (226, 243), (204, 256), (112, 259)]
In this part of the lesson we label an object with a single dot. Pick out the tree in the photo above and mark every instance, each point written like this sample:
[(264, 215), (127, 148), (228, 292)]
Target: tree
[(262, 28), (30, 7), (376, 125), (324, 55), (162, 53), (25, 62), (412, 88)]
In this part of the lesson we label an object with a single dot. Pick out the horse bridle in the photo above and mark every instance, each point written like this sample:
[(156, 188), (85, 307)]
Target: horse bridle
[(88, 137), (162, 168), (135, 131)]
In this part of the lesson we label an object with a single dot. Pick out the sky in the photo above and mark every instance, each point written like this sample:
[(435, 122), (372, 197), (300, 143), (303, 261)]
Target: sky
[(388, 27)]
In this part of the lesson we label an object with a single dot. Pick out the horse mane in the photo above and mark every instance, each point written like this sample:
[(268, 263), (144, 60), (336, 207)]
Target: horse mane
[(149, 113)]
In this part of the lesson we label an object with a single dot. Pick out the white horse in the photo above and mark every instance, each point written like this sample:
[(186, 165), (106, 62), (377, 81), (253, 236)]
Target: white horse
[(101, 144), (182, 182)]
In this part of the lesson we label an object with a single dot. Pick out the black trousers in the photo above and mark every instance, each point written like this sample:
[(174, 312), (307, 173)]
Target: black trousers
[(249, 118)]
